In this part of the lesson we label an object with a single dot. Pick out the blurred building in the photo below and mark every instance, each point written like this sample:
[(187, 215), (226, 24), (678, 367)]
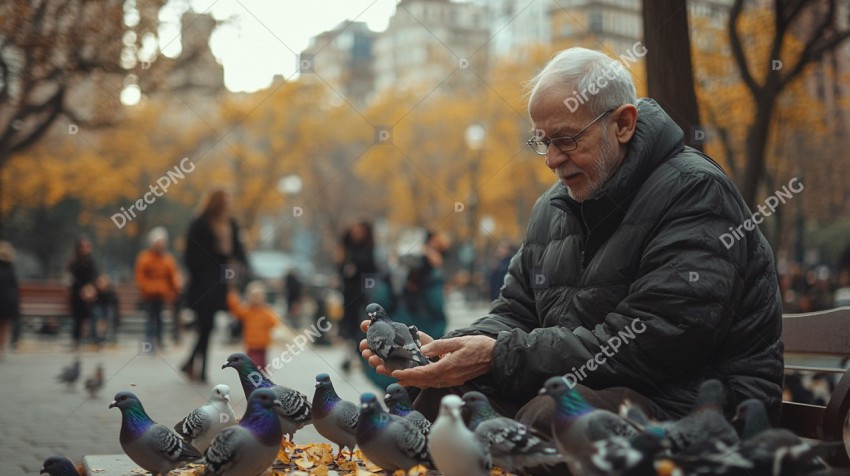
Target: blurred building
[(199, 70), (427, 41), (517, 24), (612, 26), (342, 58)]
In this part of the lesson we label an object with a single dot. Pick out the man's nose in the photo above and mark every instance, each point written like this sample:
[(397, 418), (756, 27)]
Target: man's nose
[(555, 158)]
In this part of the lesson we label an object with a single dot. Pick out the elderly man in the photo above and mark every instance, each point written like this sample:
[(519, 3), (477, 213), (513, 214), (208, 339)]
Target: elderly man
[(622, 283)]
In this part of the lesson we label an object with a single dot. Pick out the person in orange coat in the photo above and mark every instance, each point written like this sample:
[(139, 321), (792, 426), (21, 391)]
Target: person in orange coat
[(159, 282), (257, 318)]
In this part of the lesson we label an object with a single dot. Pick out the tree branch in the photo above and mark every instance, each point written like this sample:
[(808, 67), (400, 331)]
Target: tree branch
[(738, 50)]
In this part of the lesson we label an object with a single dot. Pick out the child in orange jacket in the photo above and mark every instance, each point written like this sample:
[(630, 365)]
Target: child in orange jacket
[(257, 318)]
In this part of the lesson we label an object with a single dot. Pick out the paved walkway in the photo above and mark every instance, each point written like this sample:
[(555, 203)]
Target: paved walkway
[(39, 417)]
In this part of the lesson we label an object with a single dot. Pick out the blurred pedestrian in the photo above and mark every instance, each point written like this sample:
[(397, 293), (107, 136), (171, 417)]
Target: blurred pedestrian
[(83, 292), (257, 319), (10, 311), (356, 259), (106, 310), (214, 258), (422, 295), (293, 289), (159, 282), (504, 253)]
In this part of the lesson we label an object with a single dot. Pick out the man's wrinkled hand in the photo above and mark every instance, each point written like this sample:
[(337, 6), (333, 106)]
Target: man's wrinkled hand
[(373, 359), (461, 360)]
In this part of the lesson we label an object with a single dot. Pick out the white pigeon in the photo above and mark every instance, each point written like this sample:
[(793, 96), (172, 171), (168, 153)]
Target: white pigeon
[(205, 422), (453, 447)]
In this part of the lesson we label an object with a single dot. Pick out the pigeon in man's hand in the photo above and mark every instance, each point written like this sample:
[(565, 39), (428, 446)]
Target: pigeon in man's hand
[(333, 417), (294, 410), (249, 448), (390, 442), (95, 382), (392, 341), (59, 466), (576, 426), (205, 422), (398, 403), (513, 446), (453, 447), (70, 374), (154, 447)]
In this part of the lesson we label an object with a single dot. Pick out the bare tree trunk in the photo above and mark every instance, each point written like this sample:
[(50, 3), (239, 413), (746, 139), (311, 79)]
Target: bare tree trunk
[(669, 71)]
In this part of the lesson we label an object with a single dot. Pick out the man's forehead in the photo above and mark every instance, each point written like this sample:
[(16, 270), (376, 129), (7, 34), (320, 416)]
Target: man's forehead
[(549, 112)]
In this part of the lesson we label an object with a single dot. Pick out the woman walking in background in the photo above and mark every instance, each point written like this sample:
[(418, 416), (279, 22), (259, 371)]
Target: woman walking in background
[(214, 258), (83, 292), (9, 294), (159, 282), (357, 257)]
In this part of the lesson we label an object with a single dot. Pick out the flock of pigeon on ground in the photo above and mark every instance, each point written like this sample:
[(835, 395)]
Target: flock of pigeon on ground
[(589, 441)]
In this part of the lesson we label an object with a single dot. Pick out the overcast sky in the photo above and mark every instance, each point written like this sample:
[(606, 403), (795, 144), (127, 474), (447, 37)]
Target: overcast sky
[(263, 37)]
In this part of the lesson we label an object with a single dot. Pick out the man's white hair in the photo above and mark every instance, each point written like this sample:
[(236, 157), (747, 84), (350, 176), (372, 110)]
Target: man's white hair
[(580, 68)]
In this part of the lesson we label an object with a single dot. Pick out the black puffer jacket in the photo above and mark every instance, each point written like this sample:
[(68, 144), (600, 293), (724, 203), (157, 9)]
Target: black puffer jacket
[(646, 247)]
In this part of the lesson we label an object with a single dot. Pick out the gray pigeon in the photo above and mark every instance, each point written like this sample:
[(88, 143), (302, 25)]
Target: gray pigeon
[(576, 426), (333, 417), (249, 448), (398, 403), (392, 341), (512, 445), (70, 374), (154, 447), (58, 466), (95, 383), (205, 422), (294, 411), (453, 447), (390, 442), (773, 451), (705, 429)]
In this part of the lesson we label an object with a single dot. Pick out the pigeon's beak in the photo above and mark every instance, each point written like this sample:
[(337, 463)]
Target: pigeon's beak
[(543, 391), (226, 365), (113, 404), (42, 471), (387, 396), (227, 398)]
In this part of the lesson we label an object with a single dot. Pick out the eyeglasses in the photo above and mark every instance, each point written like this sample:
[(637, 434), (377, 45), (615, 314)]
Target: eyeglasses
[(564, 144)]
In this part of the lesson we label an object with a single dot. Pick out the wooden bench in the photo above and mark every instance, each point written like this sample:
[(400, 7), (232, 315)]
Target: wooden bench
[(50, 299), (820, 334)]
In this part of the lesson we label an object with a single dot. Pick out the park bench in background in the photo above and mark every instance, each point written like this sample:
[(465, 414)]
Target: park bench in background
[(50, 300), (819, 335)]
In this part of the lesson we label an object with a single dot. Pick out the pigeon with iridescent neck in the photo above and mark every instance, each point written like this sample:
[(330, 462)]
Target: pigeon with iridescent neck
[(392, 341), (512, 445), (249, 448), (205, 422), (154, 447), (390, 442), (576, 426), (59, 466), (333, 417), (294, 411), (398, 403)]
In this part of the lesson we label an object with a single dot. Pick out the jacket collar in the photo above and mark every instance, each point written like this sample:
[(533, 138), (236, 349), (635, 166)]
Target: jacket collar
[(657, 138)]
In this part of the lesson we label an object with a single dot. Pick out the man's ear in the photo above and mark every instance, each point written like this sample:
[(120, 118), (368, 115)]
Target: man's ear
[(625, 120)]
